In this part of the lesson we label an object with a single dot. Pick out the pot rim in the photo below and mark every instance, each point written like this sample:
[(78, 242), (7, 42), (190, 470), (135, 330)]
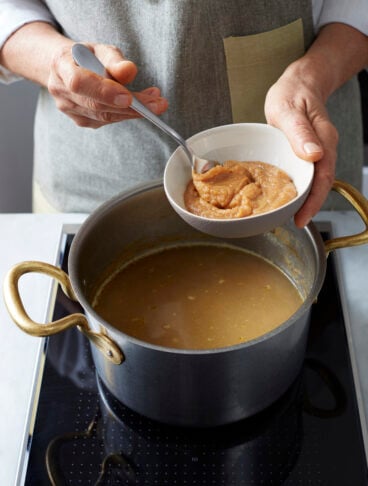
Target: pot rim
[(89, 223)]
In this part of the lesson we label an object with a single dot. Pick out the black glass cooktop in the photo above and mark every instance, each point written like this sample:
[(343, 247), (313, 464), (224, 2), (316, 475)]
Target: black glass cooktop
[(310, 437)]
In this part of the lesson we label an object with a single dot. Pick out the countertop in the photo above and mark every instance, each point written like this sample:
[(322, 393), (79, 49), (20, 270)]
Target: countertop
[(37, 237)]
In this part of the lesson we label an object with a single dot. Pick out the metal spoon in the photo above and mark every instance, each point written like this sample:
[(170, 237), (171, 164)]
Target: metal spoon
[(86, 59)]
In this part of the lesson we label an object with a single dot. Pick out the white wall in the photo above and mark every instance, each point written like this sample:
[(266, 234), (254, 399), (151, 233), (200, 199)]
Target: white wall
[(17, 106)]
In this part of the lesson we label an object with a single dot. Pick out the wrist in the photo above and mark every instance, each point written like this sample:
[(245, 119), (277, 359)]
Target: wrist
[(338, 53), (30, 50), (314, 72)]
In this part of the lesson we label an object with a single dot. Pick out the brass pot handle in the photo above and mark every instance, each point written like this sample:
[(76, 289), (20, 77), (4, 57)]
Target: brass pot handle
[(19, 315), (360, 203)]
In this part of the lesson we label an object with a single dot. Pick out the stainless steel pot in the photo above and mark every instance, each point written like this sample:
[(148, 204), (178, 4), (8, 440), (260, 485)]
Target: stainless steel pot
[(184, 387)]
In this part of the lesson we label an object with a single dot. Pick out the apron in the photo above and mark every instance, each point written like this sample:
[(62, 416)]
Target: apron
[(213, 60)]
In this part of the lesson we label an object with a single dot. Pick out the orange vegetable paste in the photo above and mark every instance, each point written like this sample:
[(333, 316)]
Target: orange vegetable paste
[(238, 189)]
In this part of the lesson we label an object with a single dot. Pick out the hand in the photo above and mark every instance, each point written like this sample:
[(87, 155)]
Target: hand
[(92, 101), (296, 106)]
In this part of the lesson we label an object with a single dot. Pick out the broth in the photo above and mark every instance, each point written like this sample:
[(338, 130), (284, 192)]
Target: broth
[(197, 297)]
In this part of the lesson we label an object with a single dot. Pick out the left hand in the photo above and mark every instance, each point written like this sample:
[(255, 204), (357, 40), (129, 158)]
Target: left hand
[(296, 106)]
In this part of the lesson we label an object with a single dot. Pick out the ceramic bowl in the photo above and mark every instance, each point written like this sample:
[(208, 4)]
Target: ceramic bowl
[(242, 142)]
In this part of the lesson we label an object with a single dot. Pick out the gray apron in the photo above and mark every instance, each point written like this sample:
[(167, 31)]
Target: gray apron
[(188, 49)]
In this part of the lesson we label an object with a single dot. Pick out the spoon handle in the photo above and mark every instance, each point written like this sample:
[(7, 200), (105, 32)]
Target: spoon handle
[(86, 59)]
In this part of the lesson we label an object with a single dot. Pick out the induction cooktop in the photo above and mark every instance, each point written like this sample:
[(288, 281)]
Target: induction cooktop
[(312, 436)]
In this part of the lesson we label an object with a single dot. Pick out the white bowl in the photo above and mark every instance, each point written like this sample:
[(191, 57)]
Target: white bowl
[(241, 142)]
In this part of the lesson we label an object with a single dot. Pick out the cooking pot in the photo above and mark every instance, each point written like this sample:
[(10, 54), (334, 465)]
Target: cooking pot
[(184, 387)]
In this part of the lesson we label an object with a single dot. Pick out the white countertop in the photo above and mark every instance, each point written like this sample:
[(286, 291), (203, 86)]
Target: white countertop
[(23, 237), (37, 237)]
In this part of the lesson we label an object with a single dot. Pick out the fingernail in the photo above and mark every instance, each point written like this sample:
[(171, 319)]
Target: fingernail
[(158, 106), (150, 91), (122, 101), (153, 106), (302, 222), (311, 148)]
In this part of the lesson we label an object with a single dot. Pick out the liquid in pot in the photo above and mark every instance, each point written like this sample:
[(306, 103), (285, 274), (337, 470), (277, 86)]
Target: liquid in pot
[(197, 297)]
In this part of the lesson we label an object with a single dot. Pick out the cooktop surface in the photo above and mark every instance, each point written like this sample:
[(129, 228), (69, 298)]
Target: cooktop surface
[(82, 435)]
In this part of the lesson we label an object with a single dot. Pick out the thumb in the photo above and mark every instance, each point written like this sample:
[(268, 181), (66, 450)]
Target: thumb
[(120, 69), (301, 135)]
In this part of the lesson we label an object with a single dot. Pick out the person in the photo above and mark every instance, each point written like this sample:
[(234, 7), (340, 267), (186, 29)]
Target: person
[(196, 64)]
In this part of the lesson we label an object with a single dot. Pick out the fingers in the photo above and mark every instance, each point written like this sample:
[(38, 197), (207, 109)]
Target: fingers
[(153, 100), (91, 119), (302, 116), (121, 69), (297, 124), (302, 137), (321, 187), (91, 100), (96, 93), (324, 175)]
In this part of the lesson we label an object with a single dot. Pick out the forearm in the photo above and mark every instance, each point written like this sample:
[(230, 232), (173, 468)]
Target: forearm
[(29, 52), (338, 53)]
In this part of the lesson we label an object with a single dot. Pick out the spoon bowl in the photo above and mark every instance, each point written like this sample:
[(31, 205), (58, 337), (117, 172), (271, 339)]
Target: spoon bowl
[(240, 142)]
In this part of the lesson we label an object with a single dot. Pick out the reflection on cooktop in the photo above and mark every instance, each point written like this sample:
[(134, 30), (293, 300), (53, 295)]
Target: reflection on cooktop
[(310, 436), (131, 447)]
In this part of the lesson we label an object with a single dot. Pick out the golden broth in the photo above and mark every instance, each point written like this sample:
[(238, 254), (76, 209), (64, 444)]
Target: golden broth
[(197, 297)]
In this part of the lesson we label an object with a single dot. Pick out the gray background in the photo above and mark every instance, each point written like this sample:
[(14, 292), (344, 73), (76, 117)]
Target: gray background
[(17, 106)]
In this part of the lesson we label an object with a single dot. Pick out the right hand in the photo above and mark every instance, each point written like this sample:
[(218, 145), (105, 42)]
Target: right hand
[(296, 106), (92, 101)]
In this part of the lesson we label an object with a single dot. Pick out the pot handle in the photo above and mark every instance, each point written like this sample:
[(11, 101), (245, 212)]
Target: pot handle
[(360, 203), (19, 315)]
